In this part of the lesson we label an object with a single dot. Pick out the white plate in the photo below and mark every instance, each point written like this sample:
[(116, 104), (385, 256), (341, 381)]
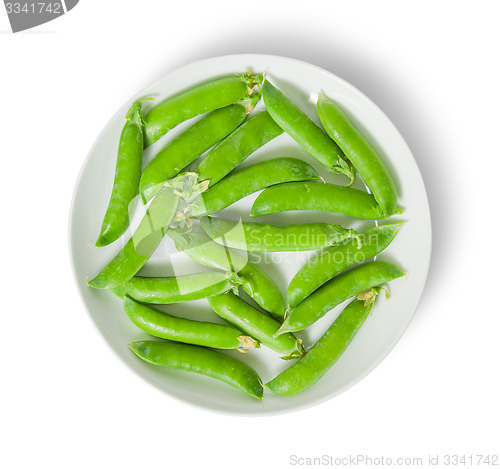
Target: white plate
[(411, 248)]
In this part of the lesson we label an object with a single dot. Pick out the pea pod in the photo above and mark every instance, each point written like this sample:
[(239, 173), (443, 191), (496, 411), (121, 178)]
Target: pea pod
[(337, 290), (127, 175), (191, 103), (199, 247), (304, 131), (327, 350), (260, 237), (200, 360), (361, 154), (316, 196), (245, 181), (165, 326), (142, 244), (256, 324), (166, 290), (330, 262), (187, 146), (249, 137)]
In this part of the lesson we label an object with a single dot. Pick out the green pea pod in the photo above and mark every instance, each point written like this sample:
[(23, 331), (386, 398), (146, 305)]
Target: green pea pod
[(245, 181), (199, 247), (249, 137), (305, 132), (127, 175), (330, 262), (256, 324), (166, 290), (165, 326), (361, 154), (200, 360), (316, 196), (143, 243), (260, 237), (187, 146), (337, 290), (327, 350), (191, 103)]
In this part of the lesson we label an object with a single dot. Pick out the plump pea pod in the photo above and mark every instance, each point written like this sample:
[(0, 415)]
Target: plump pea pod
[(256, 324), (249, 137), (165, 326), (205, 98), (200, 360), (361, 154), (327, 350), (199, 247), (166, 290), (304, 131), (246, 181), (330, 262), (337, 290), (187, 146), (127, 175), (260, 237), (143, 242), (316, 196)]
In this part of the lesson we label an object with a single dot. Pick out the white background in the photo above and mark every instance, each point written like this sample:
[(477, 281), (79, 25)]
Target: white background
[(433, 67)]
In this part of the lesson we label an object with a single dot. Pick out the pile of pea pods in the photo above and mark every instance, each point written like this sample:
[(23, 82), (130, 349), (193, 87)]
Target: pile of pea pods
[(180, 205)]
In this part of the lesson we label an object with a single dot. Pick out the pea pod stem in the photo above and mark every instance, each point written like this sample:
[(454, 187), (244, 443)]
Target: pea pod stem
[(245, 181), (327, 350), (261, 237), (337, 290), (200, 360)]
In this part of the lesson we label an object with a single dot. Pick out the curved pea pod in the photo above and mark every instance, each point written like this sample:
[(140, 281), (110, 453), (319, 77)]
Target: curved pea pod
[(235, 148), (143, 243), (361, 154), (256, 324), (304, 131), (166, 290), (316, 196), (199, 247), (327, 350), (166, 326), (260, 237), (330, 262), (127, 175), (245, 181), (200, 360), (191, 103), (186, 147), (337, 290)]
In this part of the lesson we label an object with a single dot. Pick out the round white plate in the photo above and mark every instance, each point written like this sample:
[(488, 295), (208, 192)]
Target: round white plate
[(410, 249)]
